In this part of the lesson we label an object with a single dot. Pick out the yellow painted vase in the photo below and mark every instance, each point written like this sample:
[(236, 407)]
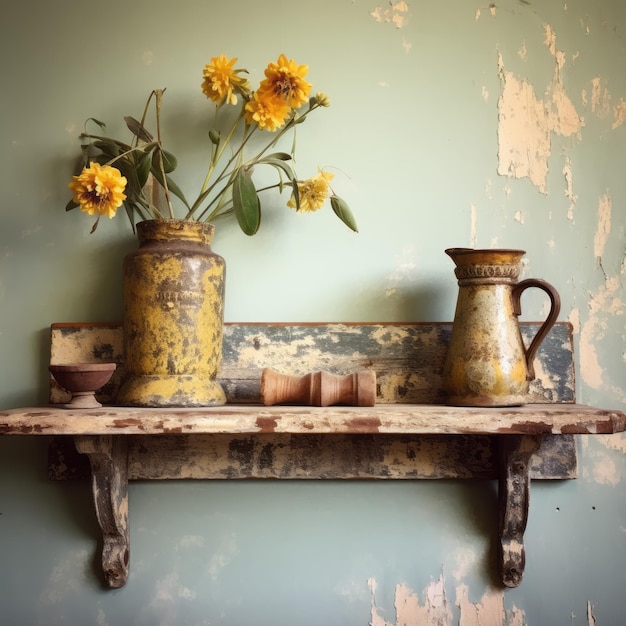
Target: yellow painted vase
[(487, 363), (173, 317)]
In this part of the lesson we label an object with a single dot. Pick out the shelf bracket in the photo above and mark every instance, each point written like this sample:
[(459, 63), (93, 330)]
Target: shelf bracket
[(514, 497), (109, 482)]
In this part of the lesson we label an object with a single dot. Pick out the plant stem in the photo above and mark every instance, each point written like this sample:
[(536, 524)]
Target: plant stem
[(159, 96)]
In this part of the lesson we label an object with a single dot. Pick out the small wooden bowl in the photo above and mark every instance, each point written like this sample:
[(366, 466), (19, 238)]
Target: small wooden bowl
[(82, 380)]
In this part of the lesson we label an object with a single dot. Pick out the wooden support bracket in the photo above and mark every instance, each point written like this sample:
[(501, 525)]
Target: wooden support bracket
[(109, 481), (514, 497), (111, 463)]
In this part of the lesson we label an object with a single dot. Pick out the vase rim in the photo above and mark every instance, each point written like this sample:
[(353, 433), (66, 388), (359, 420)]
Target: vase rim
[(173, 228), (462, 251)]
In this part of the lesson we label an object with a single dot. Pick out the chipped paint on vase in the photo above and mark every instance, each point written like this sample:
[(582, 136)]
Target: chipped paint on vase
[(173, 317)]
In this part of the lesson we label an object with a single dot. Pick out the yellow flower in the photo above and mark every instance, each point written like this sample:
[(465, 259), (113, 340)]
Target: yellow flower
[(285, 79), (313, 192), (268, 112), (221, 80), (99, 189)]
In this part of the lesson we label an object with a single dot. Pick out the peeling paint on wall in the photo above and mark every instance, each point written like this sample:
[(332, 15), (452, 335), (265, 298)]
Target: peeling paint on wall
[(436, 610), (600, 98), (488, 191), (397, 14), (523, 132), (569, 189), (492, 11), (488, 611), (601, 465), (473, 226), (603, 304), (604, 227), (619, 113), (574, 320), (522, 53), (601, 103), (526, 123)]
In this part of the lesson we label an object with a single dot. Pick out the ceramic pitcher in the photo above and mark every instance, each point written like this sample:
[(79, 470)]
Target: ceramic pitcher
[(487, 364)]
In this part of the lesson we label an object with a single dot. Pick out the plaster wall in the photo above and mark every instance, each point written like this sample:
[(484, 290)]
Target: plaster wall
[(452, 124)]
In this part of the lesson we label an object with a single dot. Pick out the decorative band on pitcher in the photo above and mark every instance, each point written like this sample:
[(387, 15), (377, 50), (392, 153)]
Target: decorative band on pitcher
[(487, 271)]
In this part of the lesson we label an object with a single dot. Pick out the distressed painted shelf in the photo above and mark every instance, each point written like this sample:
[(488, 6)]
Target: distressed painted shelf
[(392, 419), (409, 434)]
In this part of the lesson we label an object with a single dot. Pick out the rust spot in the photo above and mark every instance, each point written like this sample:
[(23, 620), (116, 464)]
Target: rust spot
[(363, 425), (266, 424), (128, 422), (577, 429), (33, 429), (613, 423), (528, 428)]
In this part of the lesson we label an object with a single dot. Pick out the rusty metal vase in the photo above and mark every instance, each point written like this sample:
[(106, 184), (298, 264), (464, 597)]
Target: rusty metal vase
[(487, 363), (173, 317)]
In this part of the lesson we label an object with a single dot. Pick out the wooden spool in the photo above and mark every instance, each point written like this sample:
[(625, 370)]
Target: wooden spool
[(319, 388)]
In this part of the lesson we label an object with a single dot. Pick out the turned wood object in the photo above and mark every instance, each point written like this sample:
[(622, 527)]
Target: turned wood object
[(319, 388)]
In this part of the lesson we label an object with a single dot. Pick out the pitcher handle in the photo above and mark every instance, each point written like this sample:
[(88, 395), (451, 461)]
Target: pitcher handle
[(555, 308)]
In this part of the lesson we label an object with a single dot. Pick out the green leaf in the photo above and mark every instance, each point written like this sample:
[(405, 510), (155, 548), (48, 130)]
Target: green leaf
[(123, 146), (169, 161), (108, 147), (283, 156), (177, 191), (143, 167), (171, 185), (102, 125), (130, 213), (296, 193), (214, 136), (246, 202), (279, 165), (137, 129), (71, 205), (343, 212)]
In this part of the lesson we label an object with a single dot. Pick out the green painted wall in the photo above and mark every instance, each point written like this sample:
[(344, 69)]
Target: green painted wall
[(452, 124)]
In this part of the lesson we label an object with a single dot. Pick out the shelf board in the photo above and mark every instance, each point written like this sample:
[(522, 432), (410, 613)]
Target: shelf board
[(530, 419)]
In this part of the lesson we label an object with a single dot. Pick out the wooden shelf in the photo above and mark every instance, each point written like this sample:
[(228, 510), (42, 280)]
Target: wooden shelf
[(424, 419), (409, 434), (102, 435)]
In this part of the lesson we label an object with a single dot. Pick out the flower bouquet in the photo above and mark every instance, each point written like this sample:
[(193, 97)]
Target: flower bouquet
[(138, 174)]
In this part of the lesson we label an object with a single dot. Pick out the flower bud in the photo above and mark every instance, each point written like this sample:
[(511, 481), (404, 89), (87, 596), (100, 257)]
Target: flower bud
[(322, 99)]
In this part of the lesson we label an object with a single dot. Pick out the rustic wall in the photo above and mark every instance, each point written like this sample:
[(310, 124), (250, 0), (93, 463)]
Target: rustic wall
[(452, 124)]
